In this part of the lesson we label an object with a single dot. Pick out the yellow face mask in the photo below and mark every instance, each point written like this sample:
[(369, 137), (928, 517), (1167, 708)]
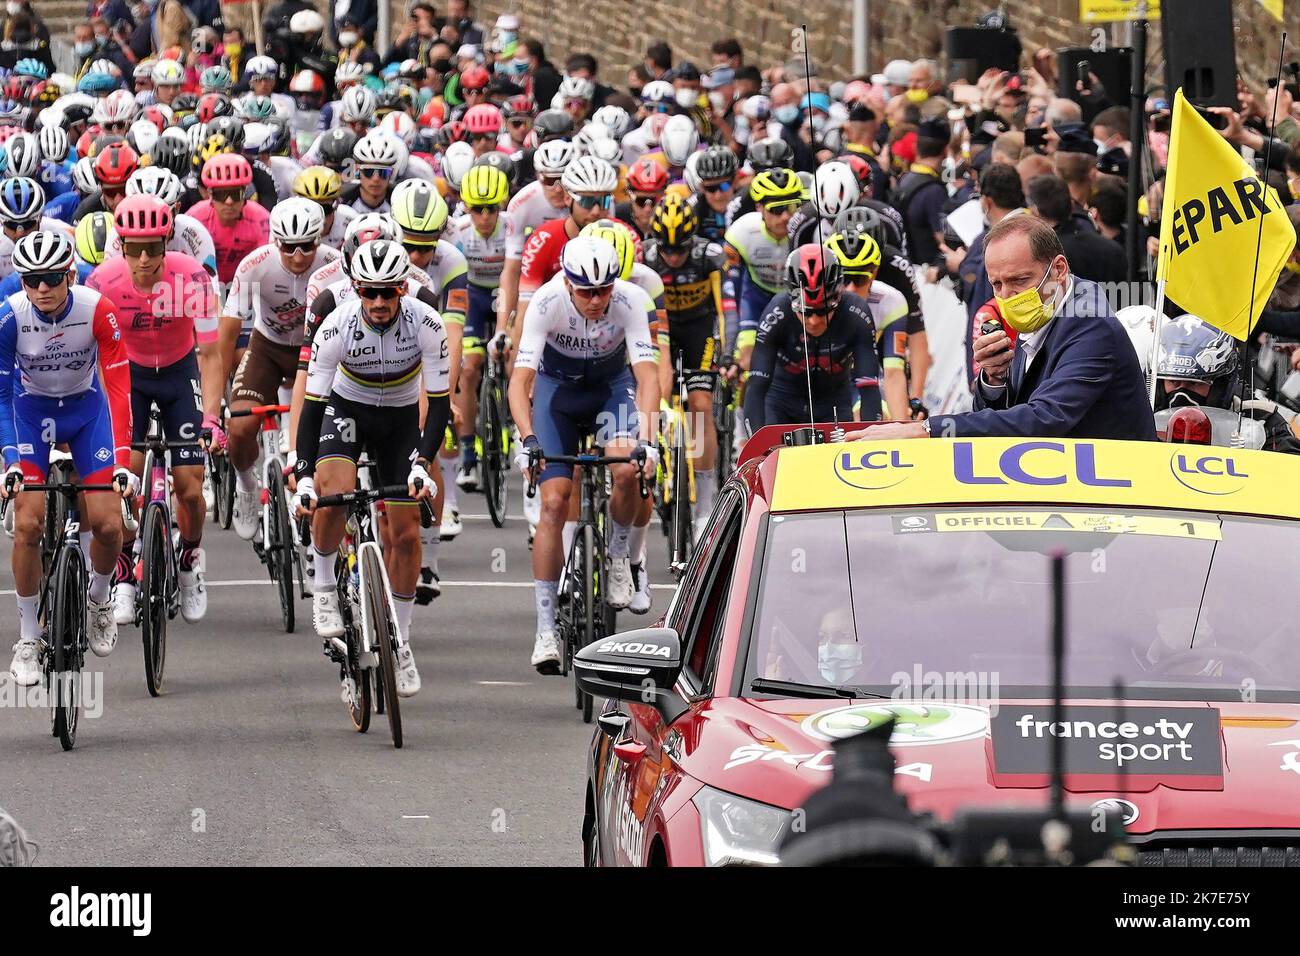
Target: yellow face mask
[(1026, 311), (1292, 266), (917, 96)]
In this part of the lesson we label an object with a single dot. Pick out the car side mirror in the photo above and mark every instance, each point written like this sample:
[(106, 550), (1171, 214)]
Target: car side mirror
[(639, 666)]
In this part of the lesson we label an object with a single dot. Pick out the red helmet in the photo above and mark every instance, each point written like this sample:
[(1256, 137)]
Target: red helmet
[(156, 116), (115, 164), (454, 132), (307, 81), (85, 141), (212, 105), (861, 168), (16, 88), (226, 170), (521, 105), (647, 176), (474, 78), (813, 274), (484, 118), (143, 217)]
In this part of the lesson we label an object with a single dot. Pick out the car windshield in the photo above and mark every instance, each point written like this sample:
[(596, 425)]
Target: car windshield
[(1170, 605)]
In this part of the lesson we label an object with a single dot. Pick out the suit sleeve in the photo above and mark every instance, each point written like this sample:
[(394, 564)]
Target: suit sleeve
[(116, 375)]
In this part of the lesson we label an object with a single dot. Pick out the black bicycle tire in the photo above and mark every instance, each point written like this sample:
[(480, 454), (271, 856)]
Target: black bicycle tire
[(372, 574), (65, 637), (227, 493), (280, 552), (56, 515), (680, 542), (154, 598), (594, 604), (495, 485)]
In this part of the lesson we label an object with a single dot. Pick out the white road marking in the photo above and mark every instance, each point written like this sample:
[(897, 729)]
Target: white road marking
[(503, 683), (251, 582), (415, 816)]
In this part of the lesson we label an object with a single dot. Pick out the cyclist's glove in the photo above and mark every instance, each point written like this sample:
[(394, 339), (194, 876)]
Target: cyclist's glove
[(529, 453), (13, 480), (305, 497), (128, 485), (419, 479), (651, 451), (212, 434), (919, 411)]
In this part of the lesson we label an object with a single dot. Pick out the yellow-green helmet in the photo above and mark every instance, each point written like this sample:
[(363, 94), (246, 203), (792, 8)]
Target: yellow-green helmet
[(419, 210), (92, 236), (774, 187), (857, 252), (318, 183), (620, 236), (484, 186)]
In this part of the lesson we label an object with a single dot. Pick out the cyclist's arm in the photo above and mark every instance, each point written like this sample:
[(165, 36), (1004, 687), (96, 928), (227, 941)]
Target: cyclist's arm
[(508, 298), (761, 366), (528, 357), (8, 366), (436, 367), (318, 310), (326, 351), (893, 359), (866, 373), (918, 350), (645, 368), (115, 374), (212, 382), (238, 307), (454, 299)]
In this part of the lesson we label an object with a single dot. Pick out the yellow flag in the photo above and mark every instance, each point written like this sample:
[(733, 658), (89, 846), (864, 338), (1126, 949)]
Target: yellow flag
[(1274, 7), (1209, 224)]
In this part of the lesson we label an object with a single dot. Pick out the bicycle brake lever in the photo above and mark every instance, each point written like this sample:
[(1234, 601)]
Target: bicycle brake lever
[(128, 519)]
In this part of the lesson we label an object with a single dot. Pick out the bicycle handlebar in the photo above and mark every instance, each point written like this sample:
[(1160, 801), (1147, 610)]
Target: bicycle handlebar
[(594, 461), (262, 410)]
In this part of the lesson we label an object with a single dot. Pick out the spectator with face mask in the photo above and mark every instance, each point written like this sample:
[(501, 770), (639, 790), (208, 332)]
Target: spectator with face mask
[(357, 19), (22, 38)]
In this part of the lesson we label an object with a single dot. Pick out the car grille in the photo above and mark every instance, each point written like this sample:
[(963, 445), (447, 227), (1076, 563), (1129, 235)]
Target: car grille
[(1212, 855)]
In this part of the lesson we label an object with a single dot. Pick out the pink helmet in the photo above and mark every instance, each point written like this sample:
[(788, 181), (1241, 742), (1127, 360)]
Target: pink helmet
[(484, 118), (227, 170), (143, 217)]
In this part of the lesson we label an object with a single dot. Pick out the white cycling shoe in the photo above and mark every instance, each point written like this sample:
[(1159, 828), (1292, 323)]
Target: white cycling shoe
[(619, 594), (451, 525), (247, 517), (546, 653), (25, 667), (408, 678), (640, 603), (194, 593), (102, 629), (325, 616), (124, 602)]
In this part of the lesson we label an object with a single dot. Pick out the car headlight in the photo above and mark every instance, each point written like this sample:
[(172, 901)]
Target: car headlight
[(739, 831)]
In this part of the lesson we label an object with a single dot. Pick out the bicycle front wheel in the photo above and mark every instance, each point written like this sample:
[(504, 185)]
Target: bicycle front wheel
[(382, 638), (279, 546), (67, 634), (495, 448), (153, 594), (593, 600)]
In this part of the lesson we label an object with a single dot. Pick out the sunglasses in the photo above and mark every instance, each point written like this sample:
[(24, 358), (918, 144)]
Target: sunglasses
[(518, 123), (594, 202), (474, 92), (379, 292), (644, 200), (412, 246), (371, 172), (599, 292), (153, 248), (785, 209), (306, 248), (112, 193), (33, 280), (222, 196), (549, 182), (115, 127), (675, 250), (723, 187), (660, 108), (27, 225), (481, 137), (483, 209)]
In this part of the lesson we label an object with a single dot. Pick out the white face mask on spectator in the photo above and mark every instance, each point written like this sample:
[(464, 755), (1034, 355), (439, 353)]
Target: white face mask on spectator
[(13, 7), (347, 39), (686, 98)]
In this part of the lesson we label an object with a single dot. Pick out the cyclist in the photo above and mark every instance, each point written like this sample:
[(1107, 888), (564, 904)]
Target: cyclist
[(716, 169), (859, 258), (571, 377), (839, 355), (63, 378), (759, 241), (646, 182), (323, 185), (166, 306), (113, 166), (375, 156), (188, 235), (21, 206), (236, 226), (369, 359), (835, 189), (761, 156), (270, 291)]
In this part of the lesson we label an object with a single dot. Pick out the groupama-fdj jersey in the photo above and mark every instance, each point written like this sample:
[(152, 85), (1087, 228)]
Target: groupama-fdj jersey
[(64, 378)]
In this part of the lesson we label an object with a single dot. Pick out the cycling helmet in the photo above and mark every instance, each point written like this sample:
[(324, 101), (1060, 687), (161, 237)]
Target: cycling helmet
[(54, 143), (159, 114), (519, 106), (861, 168), (97, 84), (168, 73), (653, 128), (813, 276), (495, 159), (776, 186), (297, 220), (1193, 351), (115, 164), (484, 186), (83, 176), (318, 183), (22, 155), (453, 132), (30, 66), (92, 237), (21, 199), (43, 252), (349, 71), (607, 149), (621, 237), (456, 162), (766, 154), (11, 112), (380, 262), (357, 105), (552, 124), (858, 253), (117, 107), (363, 229), (142, 137), (143, 217), (306, 22), (231, 128), (155, 181), (716, 162), (336, 147), (483, 119), (419, 209), (865, 219), (257, 139), (172, 151), (553, 157), (658, 93), (474, 78), (589, 263), (806, 185), (260, 67), (307, 82), (376, 148), (614, 119), (674, 221), (400, 125), (647, 176), (253, 108), (835, 188), (576, 88), (225, 171), (679, 139), (216, 79), (587, 174), (690, 177), (280, 136), (392, 98), (182, 106)]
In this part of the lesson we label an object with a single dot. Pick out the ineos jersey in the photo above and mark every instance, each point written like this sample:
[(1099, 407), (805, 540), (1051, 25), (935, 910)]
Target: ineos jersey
[(272, 297), (378, 366), (559, 342)]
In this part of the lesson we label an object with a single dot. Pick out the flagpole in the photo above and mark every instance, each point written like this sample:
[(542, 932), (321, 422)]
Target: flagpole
[(1155, 341)]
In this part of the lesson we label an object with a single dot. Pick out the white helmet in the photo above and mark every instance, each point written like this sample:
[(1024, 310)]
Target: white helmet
[(143, 70), (587, 174), (155, 181), (1139, 322), (297, 220), (835, 188), (368, 226), (658, 91), (589, 262), (400, 124), (22, 155), (349, 71), (50, 116), (54, 143), (376, 148), (260, 66), (45, 251), (306, 21), (690, 177), (168, 73), (653, 127), (576, 88), (614, 119), (679, 139), (456, 162), (258, 138), (357, 105), (588, 135), (105, 66), (607, 149), (143, 136), (553, 157), (380, 262), (83, 176), (194, 135), (117, 107)]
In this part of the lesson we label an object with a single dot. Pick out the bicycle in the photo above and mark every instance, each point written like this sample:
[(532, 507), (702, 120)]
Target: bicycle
[(277, 551), (160, 589), (675, 485), (221, 479), (368, 649), (585, 617), (493, 430)]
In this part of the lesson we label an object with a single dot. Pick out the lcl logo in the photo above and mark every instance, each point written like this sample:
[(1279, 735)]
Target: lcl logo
[(1208, 474), (871, 470)]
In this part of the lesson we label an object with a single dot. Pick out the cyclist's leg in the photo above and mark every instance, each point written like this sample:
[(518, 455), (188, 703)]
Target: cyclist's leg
[(617, 432), (449, 523), (181, 403), (390, 444), (473, 356), (697, 352), (336, 472)]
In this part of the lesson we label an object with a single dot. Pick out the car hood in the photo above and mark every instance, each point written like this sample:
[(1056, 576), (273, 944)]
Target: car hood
[(1176, 765)]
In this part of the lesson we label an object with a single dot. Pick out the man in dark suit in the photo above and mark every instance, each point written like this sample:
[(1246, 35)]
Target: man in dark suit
[(1073, 372)]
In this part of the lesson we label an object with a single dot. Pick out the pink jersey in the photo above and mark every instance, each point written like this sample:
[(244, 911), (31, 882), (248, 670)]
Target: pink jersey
[(236, 242), (160, 325)]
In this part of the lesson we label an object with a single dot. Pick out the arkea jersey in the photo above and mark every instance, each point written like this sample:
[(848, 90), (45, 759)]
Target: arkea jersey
[(160, 324), (541, 257)]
